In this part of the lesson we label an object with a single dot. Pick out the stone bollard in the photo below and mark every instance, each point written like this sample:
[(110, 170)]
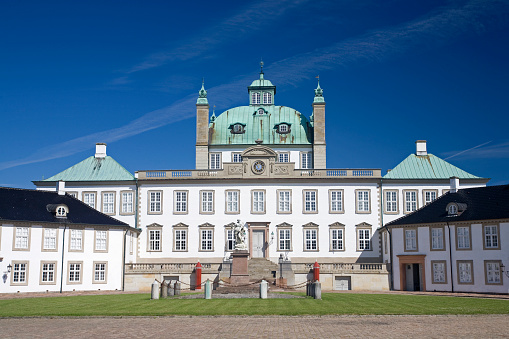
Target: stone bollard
[(171, 291), (317, 290), (155, 290), (177, 288), (208, 289), (164, 290), (263, 289)]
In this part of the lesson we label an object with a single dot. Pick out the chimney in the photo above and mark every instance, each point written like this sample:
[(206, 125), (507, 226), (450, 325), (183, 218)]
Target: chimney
[(61, 187), (420, 146), (100, 150), (455, 184)]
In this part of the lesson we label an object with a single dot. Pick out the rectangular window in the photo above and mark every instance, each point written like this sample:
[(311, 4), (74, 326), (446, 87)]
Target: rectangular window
[(284, 199), (127, 202), (463, 238), (20, 273), (180, 240), (391, 202), (236, 157), (283, 157), (100, 272), (429, 196), (89, 198), (336, 201), (22, 237), (267, 98), (48, 272), (154, 202), (258, 198), (491, 237), (108, 200), (337, 239), (215, 161), (437, 238), (50, 239), (306, 160), (207, 240), (207, 202), (310, 240), (492, 272), (101, 240), (439, 272), (232, 202), (465, 272), (364, 240), (285, 239), (180, 202), (410, 201), (76, 243), (255, 98), (410, 240), (310, 203), (154, 240), (230, 240), (363, 205), (75, 273)]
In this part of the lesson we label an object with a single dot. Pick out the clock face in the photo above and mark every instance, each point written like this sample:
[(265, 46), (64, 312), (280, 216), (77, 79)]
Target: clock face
[(258, 167)]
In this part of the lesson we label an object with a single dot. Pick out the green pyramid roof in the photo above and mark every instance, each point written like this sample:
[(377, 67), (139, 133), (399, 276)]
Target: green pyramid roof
[(427, 167), (94, 169)]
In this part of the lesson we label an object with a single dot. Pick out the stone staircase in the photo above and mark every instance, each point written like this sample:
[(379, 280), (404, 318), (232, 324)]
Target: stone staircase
[(261, 268)]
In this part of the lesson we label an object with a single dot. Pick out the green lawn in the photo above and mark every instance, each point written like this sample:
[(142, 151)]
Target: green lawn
[(332, 303)]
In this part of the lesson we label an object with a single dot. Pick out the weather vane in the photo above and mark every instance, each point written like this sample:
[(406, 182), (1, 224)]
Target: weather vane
[(261, 65)]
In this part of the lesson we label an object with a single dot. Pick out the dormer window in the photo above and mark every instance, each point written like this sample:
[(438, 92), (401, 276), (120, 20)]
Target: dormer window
[(267, 98), (452, 210), (283, 128), (255, 98), (455, 208), (61, 212), (237, 128)]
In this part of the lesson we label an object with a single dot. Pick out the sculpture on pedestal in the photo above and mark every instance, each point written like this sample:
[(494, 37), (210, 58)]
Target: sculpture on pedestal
[(239, 232)]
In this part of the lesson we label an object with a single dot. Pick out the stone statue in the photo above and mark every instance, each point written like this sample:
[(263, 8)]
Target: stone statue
[(240, 236)]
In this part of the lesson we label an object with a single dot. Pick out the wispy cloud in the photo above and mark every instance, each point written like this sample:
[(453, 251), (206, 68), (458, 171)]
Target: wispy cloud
[(435, 29), (467, 150), (496, 151)]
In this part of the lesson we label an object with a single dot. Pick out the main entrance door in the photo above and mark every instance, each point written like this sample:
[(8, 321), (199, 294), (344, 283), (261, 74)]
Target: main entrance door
[(258, 244)]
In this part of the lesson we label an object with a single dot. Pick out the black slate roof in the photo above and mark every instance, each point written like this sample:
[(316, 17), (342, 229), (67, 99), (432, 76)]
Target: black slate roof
[(483, 203), (31, 205)]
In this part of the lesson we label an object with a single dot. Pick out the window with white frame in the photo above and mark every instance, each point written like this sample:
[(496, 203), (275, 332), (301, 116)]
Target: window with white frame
[(336, 201), (232, 201), (258, 198), (364, 239), (463, 237), (127, 202), (306, 160), (391, 201), (108, 200), (22, 239), (439, 272), (50, 239), (155, 198), (310, 239), (337, 239), (215, 161), (154, 240), (492, 272), (284, 239), (429, 196), (491, 237), (283, 157), (76, 243), (101, 240), (230, 240), (267, 98), (47, 272), (465, 272), (452, 209), (74, 272), (237, 129), (100, 272), (410, 201), (180, 202), (255, 98), (410, 240), (19, 272), (206, 240), (310, 204), (180, 240), (89, 198), (61, 212), (284, 201), (207, 201), (283, 128), (236, 157), (437, 238), (362, 201)]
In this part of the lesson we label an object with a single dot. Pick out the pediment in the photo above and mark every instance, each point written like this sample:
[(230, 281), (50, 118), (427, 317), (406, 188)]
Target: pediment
[(180, 224), (206, 225), (284, 224), (259, 151), (310, 224), (232, 224), (363, 224), (336, 224), (154, 224)]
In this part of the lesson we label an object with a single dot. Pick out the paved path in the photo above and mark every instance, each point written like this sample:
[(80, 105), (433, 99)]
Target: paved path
[(451, 326)]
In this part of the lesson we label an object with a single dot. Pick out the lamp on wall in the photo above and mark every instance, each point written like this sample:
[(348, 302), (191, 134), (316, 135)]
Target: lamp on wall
[(9, 268), (502, 269)]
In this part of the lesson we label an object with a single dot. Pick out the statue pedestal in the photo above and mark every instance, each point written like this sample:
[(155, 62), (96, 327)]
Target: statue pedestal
[(239, 274)]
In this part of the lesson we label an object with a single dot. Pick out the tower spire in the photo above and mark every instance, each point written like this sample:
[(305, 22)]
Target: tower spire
[(261, 69), (213, 116), (202, 94), (318, 92)]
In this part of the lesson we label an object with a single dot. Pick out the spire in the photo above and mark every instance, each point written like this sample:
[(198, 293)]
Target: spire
[(202, 95), (213, 116), (318, 93)]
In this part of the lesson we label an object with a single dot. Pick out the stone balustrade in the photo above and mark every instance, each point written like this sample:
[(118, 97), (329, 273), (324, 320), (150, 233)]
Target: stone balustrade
[(343, 268)]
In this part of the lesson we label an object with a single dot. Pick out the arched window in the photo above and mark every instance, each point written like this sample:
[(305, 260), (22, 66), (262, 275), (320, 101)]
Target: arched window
[(61, 211), (267, 98), (238, 129), (453, 209), (255, 98)]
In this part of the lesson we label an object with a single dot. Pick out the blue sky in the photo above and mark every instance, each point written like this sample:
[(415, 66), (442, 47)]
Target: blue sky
[(128, 73)]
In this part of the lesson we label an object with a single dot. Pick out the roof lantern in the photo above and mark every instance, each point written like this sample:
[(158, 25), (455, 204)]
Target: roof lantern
[(202, 95), (261, 91)]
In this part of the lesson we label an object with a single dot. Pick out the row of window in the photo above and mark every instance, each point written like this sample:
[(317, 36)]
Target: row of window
[(258, 201), (48, 272), (465, 269), (306, 159), (284, 238), (410, 200), (256, 98), (109, 203), (238, 128), (463, 238)]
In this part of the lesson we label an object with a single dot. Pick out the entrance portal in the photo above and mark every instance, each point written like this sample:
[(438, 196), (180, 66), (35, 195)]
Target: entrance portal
[(258, 244)]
